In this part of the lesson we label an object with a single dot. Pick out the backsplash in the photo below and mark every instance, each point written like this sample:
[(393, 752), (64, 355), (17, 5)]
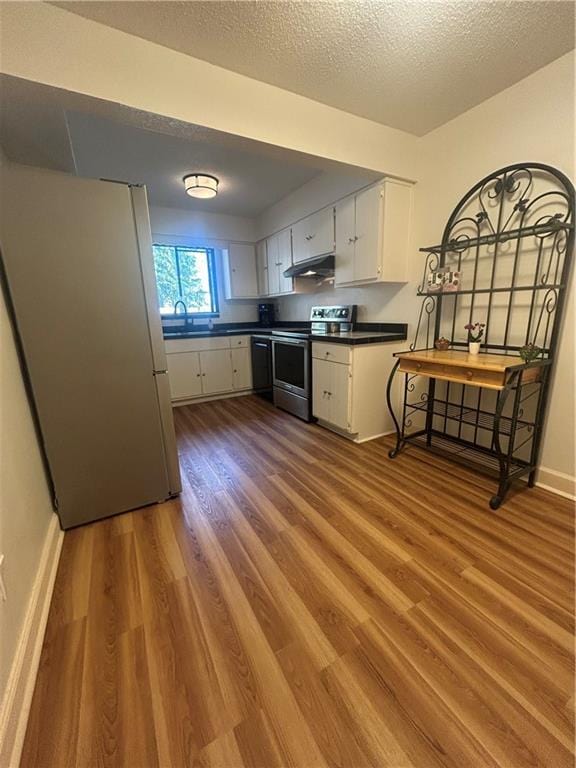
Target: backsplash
[(393, 302)]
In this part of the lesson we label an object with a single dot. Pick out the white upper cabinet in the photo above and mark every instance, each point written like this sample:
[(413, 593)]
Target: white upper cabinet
[(262, 268), (273, 254), (345, 239), (313, 236), (240, 279), (279, 248), (373, 234)]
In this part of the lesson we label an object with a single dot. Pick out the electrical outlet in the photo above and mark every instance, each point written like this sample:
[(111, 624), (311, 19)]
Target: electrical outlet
[(3, 595)]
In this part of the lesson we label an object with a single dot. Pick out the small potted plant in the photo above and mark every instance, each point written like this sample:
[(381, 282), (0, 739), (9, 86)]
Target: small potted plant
[(442, 344), (475, 333), (530, 352)]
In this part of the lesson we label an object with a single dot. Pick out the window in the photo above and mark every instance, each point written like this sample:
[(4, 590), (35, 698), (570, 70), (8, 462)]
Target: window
[(188, 275)]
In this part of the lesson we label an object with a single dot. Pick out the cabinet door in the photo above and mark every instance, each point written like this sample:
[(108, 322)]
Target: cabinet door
[(345, 240), (339, 395), (184, 375), (241, 368), (321, 232), (273, 261), (368, 253), (320, 389), (262, 268), (241, 280), (301, 240), (397, 220), (286, 284), (216, 369)]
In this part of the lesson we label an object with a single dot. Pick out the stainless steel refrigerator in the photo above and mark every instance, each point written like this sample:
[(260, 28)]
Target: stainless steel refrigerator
[(78, 263)]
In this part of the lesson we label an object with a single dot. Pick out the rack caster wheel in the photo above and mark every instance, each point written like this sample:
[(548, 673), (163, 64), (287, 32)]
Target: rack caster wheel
[(495, 502), (392, 453)]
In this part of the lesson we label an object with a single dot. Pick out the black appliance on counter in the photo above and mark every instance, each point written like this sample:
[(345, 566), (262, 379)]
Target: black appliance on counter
[(261, 348), (266, 315)]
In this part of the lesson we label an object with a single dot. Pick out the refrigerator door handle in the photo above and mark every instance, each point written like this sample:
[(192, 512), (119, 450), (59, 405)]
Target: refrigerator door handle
[(157, 373)]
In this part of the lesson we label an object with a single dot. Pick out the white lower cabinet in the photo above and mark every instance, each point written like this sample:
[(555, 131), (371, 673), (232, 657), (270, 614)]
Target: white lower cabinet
[(349, 388), (331, 397), (184, 375), (216, 369), (209, 366), (241, 368)]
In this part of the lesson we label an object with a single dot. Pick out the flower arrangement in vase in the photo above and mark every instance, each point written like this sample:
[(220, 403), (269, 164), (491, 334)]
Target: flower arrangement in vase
[(475, 333)]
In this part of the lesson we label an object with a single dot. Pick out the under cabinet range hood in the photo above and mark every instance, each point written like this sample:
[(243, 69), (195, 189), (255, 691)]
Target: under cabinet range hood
[(319, 266)]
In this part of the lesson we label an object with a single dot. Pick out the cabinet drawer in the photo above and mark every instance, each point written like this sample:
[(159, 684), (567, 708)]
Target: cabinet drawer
[(336, 353), (196, 345), (473, 376), (239, 341)]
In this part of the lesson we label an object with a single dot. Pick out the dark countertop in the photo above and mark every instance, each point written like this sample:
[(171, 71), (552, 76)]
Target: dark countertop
[(365, 333), (359, 337)]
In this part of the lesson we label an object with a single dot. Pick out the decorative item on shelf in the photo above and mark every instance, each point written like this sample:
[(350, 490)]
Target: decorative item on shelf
[(451, 282), (475, 333), (435, 280), (442, 344), (530, 352)]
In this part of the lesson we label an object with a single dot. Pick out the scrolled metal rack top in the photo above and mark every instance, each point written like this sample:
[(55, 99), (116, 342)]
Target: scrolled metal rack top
[(453, 246)]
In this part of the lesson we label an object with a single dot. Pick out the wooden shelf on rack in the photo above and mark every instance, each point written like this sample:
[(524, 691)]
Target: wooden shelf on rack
[(482, 370)]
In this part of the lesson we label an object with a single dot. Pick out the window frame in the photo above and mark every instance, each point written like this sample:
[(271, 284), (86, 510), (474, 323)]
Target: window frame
[(212, 277)]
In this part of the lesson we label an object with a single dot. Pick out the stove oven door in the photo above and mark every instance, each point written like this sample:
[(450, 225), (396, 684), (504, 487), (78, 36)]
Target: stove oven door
[(291, 365)]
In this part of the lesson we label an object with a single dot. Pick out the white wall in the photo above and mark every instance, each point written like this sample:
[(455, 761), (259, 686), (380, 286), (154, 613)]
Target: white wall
[(173, 226), (531, 121), (25, 504)]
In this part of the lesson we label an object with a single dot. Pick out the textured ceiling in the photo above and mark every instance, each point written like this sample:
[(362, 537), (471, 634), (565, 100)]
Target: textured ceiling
[(51, 128), (249, 183), (412, 65)]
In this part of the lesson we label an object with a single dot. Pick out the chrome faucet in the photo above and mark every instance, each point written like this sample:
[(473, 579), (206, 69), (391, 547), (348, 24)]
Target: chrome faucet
[(176, 307)]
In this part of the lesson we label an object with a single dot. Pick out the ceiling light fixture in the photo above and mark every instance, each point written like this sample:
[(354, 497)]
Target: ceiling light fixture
[(201, 185)]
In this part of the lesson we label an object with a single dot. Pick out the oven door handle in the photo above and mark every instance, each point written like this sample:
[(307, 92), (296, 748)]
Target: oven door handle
[(292, 342)]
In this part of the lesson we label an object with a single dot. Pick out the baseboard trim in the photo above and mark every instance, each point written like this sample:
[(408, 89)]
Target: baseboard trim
[(210, 398), (20, 687), (556, 482)]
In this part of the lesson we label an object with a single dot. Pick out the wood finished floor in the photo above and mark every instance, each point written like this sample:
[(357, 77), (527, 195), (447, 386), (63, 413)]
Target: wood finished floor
[(308, 602)]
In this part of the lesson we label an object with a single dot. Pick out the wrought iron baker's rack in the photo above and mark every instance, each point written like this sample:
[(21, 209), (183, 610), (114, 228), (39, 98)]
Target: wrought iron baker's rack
[(511, 237)]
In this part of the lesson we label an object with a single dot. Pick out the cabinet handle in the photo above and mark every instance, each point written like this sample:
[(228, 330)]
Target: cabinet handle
[(235, 371), (197, 375), (351, 239), (356, 238), (418, 366), (469, 374)]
